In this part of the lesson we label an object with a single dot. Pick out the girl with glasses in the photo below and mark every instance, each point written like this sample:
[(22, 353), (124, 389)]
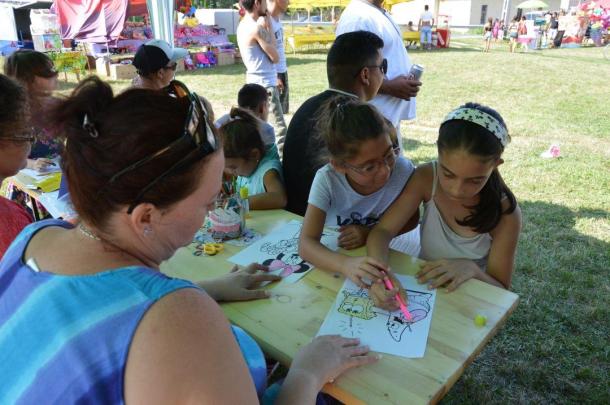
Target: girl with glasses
[(471, 220), (365, 173), (36, 72), (15, 143)]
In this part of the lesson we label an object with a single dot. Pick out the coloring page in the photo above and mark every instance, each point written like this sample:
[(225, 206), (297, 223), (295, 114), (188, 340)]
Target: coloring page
[(280, 251), (354, 315)]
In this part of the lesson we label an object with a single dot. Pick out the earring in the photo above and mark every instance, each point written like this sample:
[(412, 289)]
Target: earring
[(147, 231)]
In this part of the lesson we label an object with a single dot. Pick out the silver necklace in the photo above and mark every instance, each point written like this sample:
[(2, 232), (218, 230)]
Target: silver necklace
[(87, 232)]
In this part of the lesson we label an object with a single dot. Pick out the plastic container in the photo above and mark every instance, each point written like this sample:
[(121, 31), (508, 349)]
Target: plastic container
[(228, 218)]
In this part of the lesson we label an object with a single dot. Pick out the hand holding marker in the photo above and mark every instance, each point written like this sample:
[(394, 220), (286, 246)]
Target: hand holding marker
[(401, 303)]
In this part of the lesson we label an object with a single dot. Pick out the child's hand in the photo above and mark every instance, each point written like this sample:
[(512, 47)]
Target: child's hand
[(353, 236), (452, 272), (384, 298), (360, 268)]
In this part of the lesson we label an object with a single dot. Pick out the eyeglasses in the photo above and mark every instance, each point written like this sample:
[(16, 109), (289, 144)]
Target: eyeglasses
[(370, 169), (383, 67), (196, 131), (173, 66)]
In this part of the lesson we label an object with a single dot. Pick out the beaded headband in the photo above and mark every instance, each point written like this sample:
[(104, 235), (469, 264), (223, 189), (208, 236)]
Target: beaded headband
[(481, 118)]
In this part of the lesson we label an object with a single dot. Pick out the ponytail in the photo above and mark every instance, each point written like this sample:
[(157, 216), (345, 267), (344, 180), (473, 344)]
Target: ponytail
[(241, 135)]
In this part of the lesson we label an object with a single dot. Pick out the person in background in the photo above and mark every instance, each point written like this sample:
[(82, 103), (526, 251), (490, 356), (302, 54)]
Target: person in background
[(142, 169), (426, 22), (156, 62), (513, 34), (15, 141), (355, 67), (255, 99), (487, 34), (523, 38), (256, 167), (258, 49), (276, 9), (496, 30), (36, 73), (396, 96), (553, 28)]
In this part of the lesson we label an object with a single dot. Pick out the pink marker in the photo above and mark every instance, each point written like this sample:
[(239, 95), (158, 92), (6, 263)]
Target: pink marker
[(401, 303)]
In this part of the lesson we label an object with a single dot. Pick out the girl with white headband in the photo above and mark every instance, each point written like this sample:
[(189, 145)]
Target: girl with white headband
[(471, 221)]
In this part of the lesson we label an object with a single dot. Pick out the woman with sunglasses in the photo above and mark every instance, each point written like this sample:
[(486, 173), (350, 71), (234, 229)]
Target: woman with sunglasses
[(86, 313), (15, 143), (35, 71), (156, 62), (365, 174)]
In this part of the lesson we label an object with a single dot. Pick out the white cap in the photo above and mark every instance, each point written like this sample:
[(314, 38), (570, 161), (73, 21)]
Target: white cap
[(173, 54)]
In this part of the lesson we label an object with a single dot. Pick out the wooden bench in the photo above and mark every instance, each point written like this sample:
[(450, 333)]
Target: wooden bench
[(298, 40)]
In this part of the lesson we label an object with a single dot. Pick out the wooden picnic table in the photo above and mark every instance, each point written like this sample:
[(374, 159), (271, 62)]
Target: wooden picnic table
[(299, 40), (292, 316)]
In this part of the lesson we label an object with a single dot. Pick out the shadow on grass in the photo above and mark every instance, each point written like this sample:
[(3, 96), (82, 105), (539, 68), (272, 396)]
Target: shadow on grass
[(553, 348)]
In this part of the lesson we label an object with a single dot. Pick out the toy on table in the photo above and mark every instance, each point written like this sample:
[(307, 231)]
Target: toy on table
[(212, 249), (227, 220)]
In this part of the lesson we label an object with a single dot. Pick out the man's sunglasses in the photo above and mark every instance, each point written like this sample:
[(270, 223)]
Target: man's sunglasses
[(197, 131), (173, 66), (383, 67)]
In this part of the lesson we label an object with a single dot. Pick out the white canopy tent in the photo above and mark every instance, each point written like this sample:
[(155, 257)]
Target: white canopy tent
[(161, 14)]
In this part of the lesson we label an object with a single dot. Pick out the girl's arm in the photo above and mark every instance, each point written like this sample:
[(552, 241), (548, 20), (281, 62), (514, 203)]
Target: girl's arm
[(274, 198), (501, 261), (399, 213), (320, 256)]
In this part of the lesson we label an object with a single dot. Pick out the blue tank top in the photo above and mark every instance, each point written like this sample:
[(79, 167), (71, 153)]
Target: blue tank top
[(65, 339)]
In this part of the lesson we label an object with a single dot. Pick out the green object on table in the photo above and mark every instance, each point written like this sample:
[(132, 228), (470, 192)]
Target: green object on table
[(243, 193), (480, 320)]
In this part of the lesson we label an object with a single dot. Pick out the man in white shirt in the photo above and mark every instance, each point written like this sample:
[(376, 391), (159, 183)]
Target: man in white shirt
[(258, 50), (426, 21), (276, 9), (396, 97)]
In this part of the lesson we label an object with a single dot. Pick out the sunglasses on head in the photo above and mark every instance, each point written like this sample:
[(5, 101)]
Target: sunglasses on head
[(197, 131)]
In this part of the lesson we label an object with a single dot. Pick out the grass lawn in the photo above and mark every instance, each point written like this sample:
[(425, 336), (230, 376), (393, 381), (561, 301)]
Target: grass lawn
[(555, 347)]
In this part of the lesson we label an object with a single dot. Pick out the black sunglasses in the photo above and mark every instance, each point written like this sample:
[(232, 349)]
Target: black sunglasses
[(173, 66), (383, 67), (196, 131)]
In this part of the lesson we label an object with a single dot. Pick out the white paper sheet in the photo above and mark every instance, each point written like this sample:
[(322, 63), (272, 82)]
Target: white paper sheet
[(280, 251), (354, 315)]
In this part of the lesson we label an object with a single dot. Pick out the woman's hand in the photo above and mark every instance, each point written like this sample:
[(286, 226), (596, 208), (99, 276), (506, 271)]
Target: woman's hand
[(353, 236), (240, 285), (362, 269), (447, 272), (384, 298), (40, 164), (327, 357)]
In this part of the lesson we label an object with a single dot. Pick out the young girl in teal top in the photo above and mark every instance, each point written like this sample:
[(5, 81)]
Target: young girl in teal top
[(256, 166)]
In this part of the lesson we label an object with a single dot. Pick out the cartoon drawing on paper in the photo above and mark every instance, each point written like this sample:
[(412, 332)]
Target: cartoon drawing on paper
[(357, 304), (279, 251), (287, 260), (353, 314)]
